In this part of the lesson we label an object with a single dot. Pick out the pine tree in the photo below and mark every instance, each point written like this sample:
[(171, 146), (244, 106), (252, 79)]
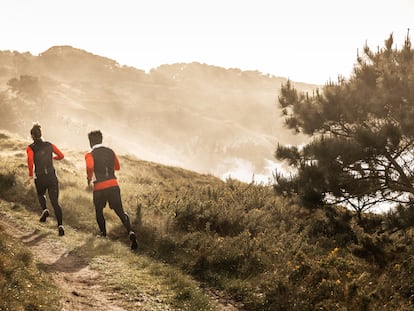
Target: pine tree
[(362, 135)]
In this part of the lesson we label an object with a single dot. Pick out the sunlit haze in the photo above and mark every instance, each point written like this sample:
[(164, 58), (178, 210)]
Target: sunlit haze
[(306, 41)]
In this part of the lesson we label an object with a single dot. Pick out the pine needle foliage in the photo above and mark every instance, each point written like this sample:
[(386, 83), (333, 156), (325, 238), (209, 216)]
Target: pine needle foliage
[(361, 151)]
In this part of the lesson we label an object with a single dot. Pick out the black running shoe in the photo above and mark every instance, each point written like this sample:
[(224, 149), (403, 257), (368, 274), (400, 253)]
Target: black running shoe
[(133, 238), (44, 215), (61, 230)]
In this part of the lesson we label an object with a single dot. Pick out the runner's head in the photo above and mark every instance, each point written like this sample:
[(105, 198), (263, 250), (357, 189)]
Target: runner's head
[(36, 132), (95, 137)]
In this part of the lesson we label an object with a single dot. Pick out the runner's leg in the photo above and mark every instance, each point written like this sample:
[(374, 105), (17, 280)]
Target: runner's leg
[(53, 191), (115, 202), (99, 200), (41, 191)]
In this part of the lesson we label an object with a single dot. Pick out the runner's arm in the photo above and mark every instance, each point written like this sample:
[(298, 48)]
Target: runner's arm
[(117, 166), (30, 161), (59, 155), (89, 166)]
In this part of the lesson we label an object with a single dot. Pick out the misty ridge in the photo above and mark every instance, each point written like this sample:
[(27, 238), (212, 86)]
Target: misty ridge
[(224, 122)]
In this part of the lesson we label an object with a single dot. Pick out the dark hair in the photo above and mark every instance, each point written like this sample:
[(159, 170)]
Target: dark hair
[(36, 132), (95, 137)]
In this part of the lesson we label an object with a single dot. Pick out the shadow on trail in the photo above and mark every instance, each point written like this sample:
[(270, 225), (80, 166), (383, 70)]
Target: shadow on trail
[(33, 239), (78, 258), (67, 262)]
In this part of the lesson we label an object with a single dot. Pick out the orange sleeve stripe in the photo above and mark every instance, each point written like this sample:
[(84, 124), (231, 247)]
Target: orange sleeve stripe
[(117, 166), (30, 161), (89, 166)]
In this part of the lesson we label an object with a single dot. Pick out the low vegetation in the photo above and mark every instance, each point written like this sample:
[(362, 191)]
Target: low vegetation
[(22, 285), (239, 240)]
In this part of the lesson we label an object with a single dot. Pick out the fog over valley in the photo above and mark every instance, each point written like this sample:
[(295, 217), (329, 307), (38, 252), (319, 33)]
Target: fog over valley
[(225, 122)]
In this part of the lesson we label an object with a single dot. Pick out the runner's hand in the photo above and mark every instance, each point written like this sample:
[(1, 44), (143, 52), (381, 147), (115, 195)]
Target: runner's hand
[(89, 187)]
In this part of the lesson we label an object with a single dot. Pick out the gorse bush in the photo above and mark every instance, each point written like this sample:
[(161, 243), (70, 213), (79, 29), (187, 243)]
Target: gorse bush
[(225, 210)]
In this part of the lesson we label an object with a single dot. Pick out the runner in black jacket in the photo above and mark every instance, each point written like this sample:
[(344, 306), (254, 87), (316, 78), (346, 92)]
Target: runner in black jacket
[(40, 155), (101, 163)]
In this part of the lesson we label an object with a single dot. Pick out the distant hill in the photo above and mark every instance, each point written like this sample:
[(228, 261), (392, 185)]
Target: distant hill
[(200, 117)]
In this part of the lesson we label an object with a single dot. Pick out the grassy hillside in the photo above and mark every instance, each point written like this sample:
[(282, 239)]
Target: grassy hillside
[(237, 240)]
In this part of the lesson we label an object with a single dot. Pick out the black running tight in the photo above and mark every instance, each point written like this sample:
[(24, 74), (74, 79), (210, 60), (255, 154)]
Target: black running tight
[(50, 184), (113, 197)]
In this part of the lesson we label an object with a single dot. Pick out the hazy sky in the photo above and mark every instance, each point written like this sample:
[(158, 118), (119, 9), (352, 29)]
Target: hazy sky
[(305, 40)]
